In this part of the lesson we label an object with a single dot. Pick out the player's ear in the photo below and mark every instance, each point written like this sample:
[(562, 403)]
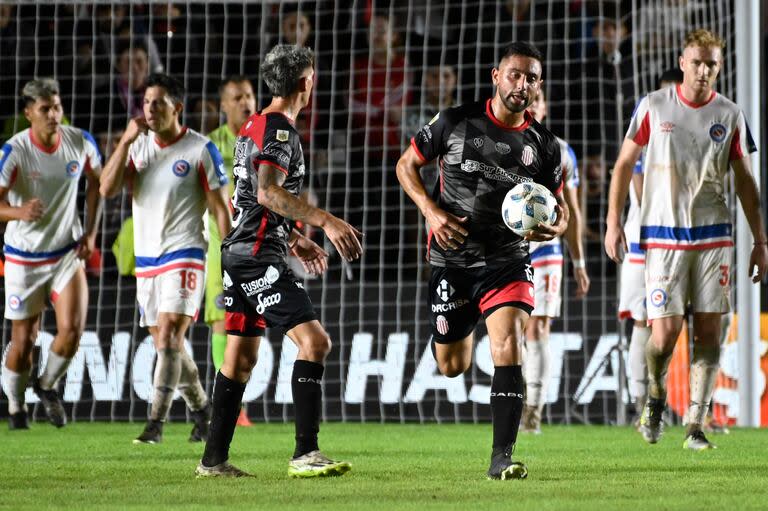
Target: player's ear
[(495, 75), (178, 107), (681, 62)]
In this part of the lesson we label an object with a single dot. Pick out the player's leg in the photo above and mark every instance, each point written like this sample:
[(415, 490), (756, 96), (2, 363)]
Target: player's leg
[(537, 331), (453, 358), (705, 364), (711, 424), (632, 307), (18, 365), (658, 353), (306, 385), (191, 389), (638, 368)]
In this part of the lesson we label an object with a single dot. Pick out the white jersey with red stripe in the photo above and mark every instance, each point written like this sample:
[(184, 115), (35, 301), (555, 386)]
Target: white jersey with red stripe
[(689, 148), (29, 170), (169, 186)]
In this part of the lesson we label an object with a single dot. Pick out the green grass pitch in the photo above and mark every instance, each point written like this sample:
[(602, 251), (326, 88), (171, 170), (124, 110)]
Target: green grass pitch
[(95, 466)]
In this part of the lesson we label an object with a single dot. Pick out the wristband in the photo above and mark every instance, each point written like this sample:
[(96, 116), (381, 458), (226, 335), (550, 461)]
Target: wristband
[(578, 264), (760, 243)]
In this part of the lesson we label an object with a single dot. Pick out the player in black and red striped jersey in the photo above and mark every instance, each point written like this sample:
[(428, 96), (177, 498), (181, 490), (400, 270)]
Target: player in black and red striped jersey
[(478, 265), (260, 290)]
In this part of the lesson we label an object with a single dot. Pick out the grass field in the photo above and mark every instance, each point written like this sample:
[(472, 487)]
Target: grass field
[(95, 466)]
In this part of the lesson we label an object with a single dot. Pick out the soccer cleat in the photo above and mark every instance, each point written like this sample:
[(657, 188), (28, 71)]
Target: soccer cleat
[(52, 404), (19, 420), (651, 424), (243, 420), (202, 419), (152, 434), (317, 464), (224, 469), (531, 420), (696, 441), (503, 468)]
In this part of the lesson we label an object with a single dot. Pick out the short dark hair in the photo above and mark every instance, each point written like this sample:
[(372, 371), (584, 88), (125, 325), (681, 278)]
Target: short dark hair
[(173, 87), (282, 68), (671, 75), (232, 79), (522, 48)]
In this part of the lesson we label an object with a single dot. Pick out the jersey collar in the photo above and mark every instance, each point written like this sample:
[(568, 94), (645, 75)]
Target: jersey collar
[(181, 135), (47, 150), (691, 103), (526, 119)]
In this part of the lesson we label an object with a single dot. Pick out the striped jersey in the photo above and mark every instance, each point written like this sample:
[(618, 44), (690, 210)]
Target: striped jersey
[(688, 151), (548, 253), (169, 185), (30, 170)]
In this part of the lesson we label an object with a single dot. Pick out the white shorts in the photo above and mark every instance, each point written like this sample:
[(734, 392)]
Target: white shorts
[(547, 287), (28, 288), (675, 278), (632, 293), (178, 291)]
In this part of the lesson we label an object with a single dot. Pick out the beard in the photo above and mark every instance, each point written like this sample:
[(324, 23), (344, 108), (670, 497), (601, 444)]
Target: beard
[(514, 106)]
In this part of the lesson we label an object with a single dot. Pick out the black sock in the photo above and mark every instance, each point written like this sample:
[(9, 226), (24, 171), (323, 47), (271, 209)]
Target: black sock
[(227, 400), (307, 401), (507, 394)]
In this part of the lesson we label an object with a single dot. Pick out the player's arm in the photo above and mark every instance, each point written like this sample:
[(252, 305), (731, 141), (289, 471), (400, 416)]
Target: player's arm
[(615, 241), (29, 211), (447, 229), (270, 193), (216, 201), (113, 176), (746, 190), (573, 237), (637, 183), (93, 205)]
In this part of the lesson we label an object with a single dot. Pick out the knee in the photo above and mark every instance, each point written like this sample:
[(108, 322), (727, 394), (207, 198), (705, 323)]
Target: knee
[(317, 347), (70, 332), (452, 367), (506, 350), (537, 329)]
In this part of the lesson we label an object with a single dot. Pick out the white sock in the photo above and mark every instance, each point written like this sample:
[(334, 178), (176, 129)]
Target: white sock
[(167, 372), (55, 368), (536, 372), (189, 384), (15, 385), (638, 368), (706, 362)]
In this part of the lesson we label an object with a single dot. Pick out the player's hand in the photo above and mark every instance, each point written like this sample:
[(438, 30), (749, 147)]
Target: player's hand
[(136, 127), (582, 282), (615, 242), (312, 257), (86, 247), (448, 229), (758, 262), (31, 210), (344, 237), (546, 232)]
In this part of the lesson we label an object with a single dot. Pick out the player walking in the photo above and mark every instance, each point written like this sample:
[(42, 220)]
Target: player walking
[(693, 135), (478, 265), (175, 173)]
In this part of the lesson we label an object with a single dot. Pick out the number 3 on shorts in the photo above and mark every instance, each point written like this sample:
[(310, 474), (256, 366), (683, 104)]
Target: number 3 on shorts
[(724, 274)]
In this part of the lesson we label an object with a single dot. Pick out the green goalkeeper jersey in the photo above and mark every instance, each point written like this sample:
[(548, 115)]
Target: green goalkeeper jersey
[(225, 142)]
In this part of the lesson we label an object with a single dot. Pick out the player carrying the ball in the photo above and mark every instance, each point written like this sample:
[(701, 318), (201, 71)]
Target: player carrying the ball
[(478, 265)]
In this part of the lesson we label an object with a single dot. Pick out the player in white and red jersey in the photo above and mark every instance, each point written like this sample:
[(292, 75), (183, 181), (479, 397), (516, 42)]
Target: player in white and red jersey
[(547, 262), (175, 173), (692, 136), (40, 169)]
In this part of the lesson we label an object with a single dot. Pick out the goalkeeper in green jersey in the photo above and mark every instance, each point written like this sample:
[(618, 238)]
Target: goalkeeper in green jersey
[(238, 103)]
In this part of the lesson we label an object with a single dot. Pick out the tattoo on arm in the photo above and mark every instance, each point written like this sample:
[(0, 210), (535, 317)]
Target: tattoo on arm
[(273, 196)]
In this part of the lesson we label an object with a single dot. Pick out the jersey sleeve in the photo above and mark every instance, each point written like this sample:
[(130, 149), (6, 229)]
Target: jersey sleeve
[(94, 160), (552, 173), (429, 142), (742, 142), (8, 165), (210, 168), (639, 130), (277, 151), (570, 166)]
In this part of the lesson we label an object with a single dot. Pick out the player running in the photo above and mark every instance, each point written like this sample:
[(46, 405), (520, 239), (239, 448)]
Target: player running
[(174, 173), (547, 262), (692, 136), (479, 267), (259, 289), (40, 169)]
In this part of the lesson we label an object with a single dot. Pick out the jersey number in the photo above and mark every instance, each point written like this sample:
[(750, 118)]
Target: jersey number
[(551, 284), (724, 274), (188, 280)]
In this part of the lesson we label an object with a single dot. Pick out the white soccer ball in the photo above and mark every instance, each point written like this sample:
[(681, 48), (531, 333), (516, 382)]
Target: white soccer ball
[(527, 205)]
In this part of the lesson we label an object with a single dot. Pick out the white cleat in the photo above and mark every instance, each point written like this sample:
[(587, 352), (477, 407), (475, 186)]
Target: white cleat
[(317, 464), (696, 441), (651, 423), (224, 469)]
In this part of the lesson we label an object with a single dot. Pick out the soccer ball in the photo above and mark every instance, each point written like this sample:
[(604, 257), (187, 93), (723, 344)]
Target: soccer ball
[(527, 205)]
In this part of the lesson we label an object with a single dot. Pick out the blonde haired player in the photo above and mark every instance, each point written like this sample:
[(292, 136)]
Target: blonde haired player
[(692, 136), (547, 262), (40, 169), (175, 173)]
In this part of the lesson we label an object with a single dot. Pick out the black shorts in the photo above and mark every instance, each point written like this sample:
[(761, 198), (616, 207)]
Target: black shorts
[(260, 295), (458, 296)]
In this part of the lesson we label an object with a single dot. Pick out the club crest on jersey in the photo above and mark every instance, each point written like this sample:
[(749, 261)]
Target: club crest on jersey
[(14, 302), (73, 168), (282, 135), (442, 325), (181, 168), (478, 141), (658, 297), (527, 156), (717, 132), (503, 148)]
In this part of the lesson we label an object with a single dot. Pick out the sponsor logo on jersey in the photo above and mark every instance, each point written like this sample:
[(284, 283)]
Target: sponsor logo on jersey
[(226, 281), (527, 157), (14, 302), (495, 173), (442, 325), (262, 283), (503, 148), (444, 290), (478, 141), (282, 135), (299, 284), (558, 173), (267, 302), (717, 132), (181, 168), (445, 307), (73, 168), (658, 297), (667, 127)]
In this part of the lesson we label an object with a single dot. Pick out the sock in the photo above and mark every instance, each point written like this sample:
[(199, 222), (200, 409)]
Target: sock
[(15, 385), (706, 361), (507, 389), (55, 368), (536, 372), (307, 401), (227, 395), (167, 372), (638, 369), (189, 384), (218, 347), (658, 363)]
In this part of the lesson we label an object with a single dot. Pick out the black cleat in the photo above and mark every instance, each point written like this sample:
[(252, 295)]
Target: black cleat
[(52, 404), (503, 468), (152, 434), (202, 419), (19, 420)]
